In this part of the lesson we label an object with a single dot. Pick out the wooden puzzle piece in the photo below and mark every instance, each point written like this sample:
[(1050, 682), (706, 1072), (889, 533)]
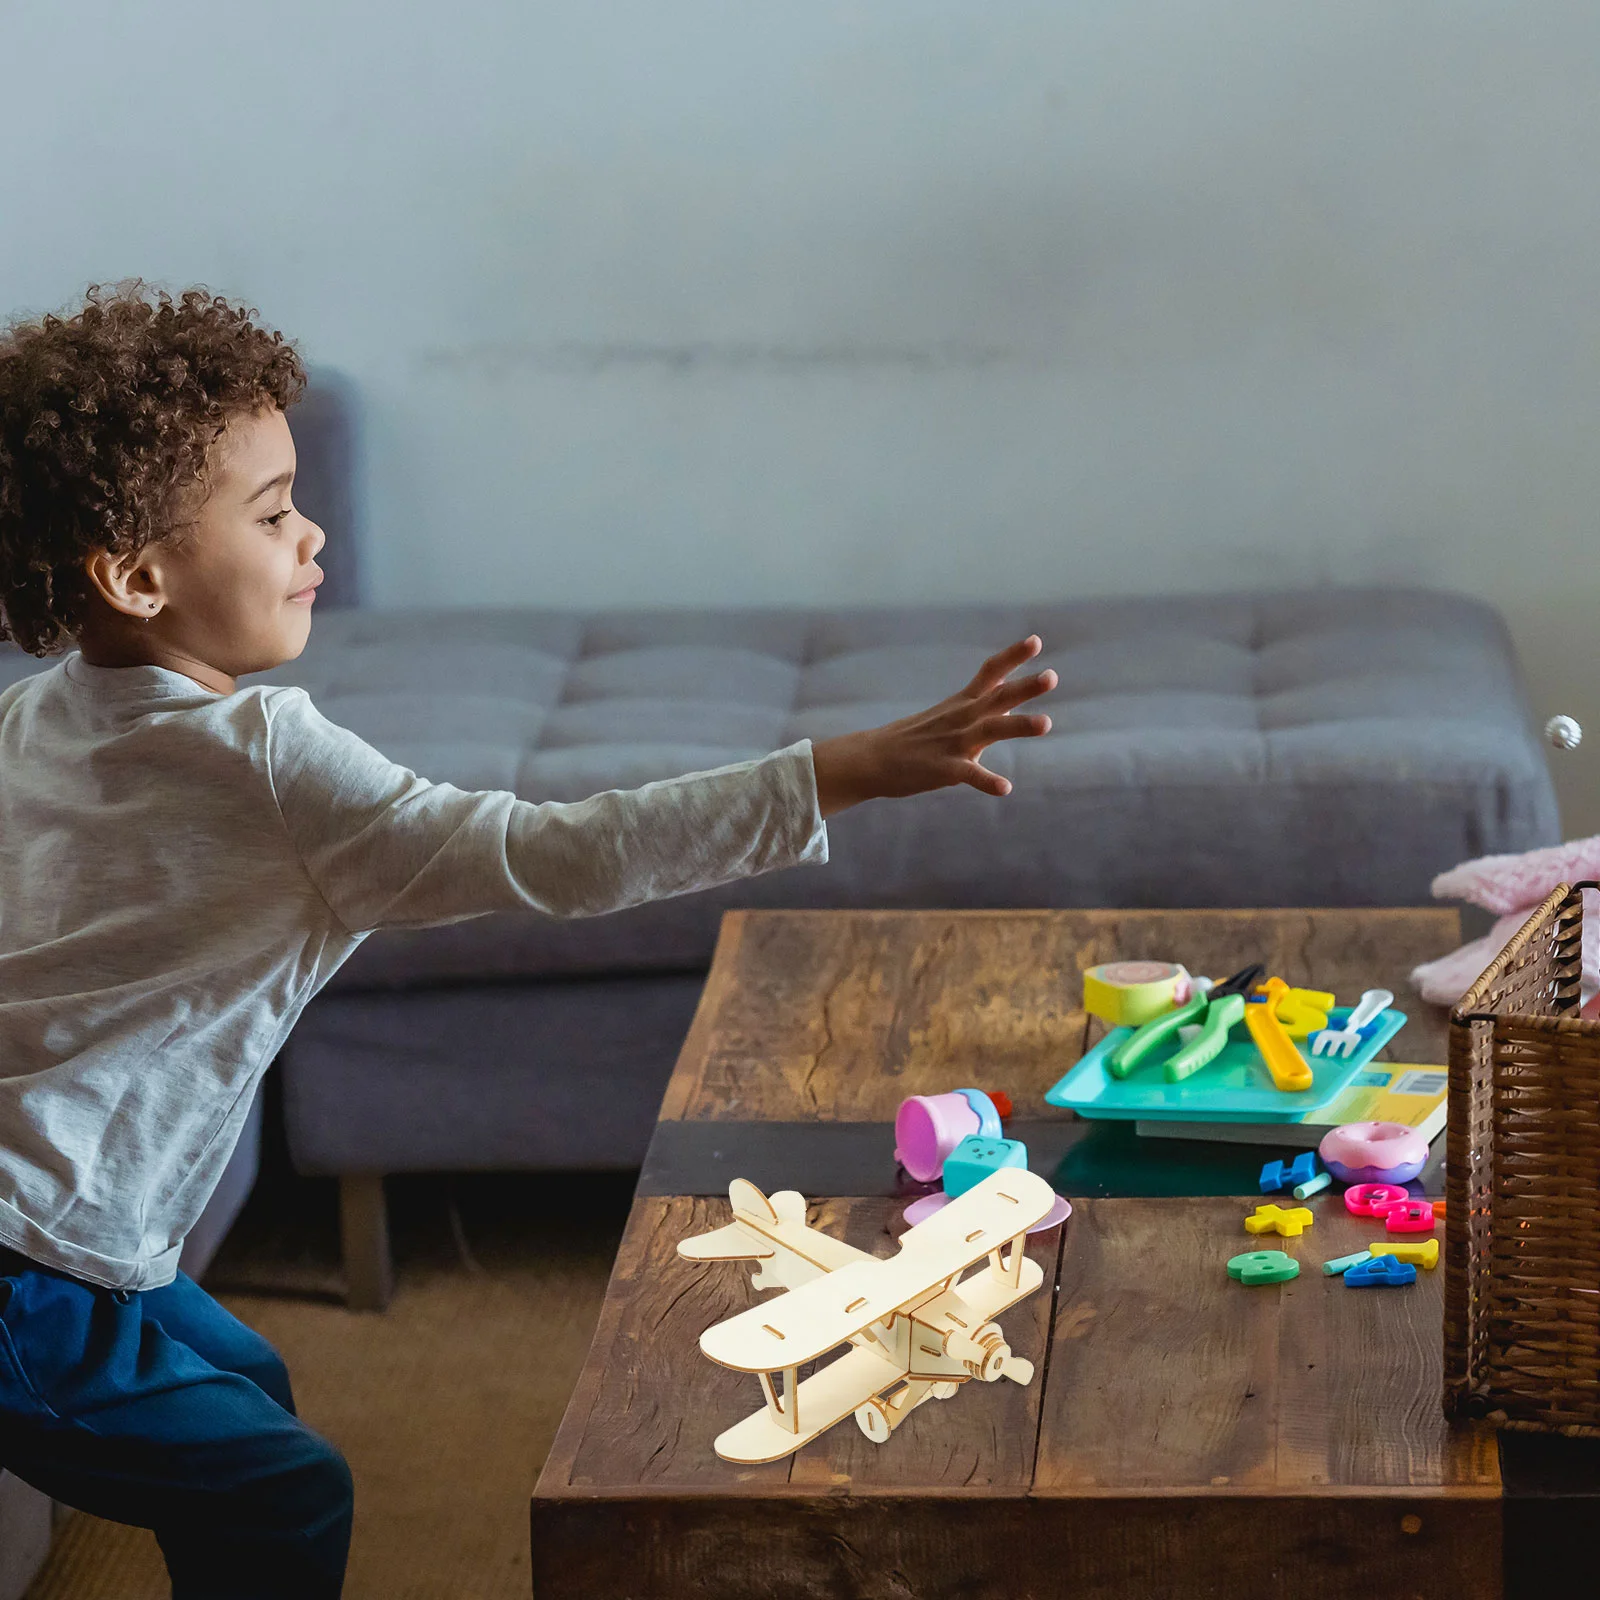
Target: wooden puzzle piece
[(917, 1329)]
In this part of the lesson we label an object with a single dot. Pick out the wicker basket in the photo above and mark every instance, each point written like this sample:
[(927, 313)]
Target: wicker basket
[(1522, 1229)]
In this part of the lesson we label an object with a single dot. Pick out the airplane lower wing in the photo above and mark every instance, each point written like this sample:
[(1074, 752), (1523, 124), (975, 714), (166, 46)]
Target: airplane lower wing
[(826, 1397)]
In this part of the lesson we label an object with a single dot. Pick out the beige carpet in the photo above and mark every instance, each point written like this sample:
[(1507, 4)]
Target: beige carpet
[(444, 1405)]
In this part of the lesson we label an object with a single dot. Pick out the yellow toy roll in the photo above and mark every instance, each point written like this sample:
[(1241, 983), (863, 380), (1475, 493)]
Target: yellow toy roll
[(1128, 994)]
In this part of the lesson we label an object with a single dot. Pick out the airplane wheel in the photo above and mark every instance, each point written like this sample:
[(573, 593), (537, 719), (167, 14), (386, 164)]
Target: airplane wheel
[(873, 1421), (943, 1391)]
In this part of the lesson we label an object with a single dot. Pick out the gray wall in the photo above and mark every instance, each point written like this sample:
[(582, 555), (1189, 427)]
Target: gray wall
[(917, 299)]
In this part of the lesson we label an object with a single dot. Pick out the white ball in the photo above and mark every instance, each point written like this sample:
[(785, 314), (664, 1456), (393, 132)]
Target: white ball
[(1564, 733)]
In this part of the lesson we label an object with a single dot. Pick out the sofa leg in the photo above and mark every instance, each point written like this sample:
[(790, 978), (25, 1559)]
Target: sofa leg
[(364, 1240)]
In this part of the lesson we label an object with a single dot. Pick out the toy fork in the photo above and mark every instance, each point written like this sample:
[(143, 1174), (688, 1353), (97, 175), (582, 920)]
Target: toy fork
[(1346, 1041)]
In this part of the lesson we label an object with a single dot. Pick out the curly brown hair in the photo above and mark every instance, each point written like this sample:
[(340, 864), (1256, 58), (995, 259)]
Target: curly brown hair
[(106, 418)]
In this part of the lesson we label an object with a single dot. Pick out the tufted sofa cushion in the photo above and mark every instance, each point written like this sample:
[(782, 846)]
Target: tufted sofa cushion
[(1334, 747)]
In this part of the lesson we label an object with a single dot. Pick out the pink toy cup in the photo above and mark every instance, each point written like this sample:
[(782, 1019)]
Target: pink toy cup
[(927, 1128)]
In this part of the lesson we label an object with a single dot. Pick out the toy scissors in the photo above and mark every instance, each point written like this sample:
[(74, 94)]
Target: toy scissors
[(1222, 1007)]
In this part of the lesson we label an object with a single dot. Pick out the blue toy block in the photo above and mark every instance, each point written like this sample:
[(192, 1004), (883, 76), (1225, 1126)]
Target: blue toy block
[(1382, 1272), (976, 1157), (1278, 1175)]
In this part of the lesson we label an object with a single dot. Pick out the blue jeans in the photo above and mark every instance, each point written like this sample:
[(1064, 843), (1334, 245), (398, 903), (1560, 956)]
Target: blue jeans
[(160, 1409)]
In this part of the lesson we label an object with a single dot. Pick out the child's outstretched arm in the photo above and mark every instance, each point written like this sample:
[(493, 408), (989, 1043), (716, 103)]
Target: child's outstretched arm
[(938, 747), (382, 847)]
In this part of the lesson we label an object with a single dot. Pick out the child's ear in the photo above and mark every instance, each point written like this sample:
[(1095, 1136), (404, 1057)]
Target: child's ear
[(116, 580)]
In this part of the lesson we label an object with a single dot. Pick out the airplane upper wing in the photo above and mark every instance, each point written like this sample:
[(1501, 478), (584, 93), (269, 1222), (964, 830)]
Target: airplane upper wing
[(1005, 1204), (802, 1324)]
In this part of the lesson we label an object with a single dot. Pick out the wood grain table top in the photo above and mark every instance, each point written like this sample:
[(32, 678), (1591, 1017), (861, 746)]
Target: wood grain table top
[(1183, 1435), (839, 1015)]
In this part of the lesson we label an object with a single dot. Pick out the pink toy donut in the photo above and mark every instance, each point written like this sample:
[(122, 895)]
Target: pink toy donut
[(1374, 1152)]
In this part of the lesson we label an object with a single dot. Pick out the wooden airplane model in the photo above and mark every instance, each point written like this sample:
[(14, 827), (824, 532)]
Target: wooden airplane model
[(916, 1328)]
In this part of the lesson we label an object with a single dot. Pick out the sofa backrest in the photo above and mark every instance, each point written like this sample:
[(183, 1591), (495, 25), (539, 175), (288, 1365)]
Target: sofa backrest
[(327, 444)]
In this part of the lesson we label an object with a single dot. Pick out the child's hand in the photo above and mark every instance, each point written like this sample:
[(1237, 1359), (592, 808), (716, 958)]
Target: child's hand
[(940, 747)]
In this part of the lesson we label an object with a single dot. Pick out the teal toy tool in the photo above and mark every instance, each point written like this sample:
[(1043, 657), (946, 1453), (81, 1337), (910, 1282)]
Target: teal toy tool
[(1222, 1007)]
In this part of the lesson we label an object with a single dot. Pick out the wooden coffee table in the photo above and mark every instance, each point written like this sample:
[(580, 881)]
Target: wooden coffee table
[(1184, 1436)]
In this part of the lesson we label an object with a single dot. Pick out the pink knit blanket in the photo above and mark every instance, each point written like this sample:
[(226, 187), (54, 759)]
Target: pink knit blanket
[(1511, 886)]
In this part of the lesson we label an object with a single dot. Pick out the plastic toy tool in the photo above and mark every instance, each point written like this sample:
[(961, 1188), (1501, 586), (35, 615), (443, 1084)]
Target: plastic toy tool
[(1347, 1040), (919, 1324), (1290, 1070), (1221, 1008)]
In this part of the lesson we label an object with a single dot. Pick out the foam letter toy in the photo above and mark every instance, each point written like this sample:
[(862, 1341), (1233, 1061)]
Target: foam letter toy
[(1373, 1199), (1411, 1216), (1277, 1175), (1380, 1272), (1274, 1219), (1263, 1266), (1424, 1253)]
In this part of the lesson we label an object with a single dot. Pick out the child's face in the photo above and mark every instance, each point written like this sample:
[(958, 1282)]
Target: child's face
[(235, 595)]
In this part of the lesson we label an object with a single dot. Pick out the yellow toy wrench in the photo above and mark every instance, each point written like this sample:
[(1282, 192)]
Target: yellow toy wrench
[(1288, 1067)]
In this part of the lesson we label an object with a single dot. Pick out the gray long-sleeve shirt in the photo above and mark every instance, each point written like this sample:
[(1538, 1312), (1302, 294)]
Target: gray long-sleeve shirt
[(180, 871)]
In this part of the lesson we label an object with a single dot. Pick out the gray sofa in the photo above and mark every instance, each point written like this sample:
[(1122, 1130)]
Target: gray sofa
[(1331, 748)]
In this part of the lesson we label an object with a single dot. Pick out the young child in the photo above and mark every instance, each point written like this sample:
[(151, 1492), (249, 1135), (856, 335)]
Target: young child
[(184, 863)]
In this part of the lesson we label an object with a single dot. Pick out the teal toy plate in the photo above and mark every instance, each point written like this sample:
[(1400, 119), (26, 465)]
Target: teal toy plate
[(1236, 1087)]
